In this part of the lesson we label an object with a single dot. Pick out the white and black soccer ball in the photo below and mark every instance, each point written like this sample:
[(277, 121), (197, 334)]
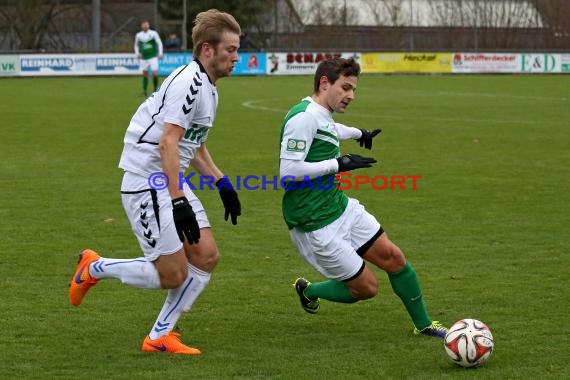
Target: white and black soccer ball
[(469, 343)]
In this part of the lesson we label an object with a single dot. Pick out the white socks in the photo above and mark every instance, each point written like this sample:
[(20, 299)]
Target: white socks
[(179, 300), (142, 273), (139, 273)]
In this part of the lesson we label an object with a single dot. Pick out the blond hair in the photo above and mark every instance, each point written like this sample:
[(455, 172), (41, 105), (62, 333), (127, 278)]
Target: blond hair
[(209, 27)]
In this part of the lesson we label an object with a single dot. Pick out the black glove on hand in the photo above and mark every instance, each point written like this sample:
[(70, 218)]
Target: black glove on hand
[(230, 199), (354, 161), (366, 139), (185, 220)]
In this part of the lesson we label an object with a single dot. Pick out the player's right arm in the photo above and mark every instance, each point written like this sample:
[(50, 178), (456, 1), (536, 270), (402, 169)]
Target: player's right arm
[(170, 157), (137, 46), (184, 217), (298, 135)]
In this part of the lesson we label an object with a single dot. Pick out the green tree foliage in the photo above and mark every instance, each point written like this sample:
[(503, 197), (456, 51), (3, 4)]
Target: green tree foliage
[(31, 21)]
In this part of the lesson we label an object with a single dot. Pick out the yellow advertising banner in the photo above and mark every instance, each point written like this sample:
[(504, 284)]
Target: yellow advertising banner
[(406, 62)]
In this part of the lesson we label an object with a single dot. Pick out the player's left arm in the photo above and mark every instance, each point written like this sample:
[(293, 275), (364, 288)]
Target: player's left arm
[(204, 164), (364, 137), (344, 132), (158, 43)]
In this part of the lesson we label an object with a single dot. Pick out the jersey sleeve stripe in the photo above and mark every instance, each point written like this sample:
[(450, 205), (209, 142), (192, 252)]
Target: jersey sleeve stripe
[(326, 134), (190, 100)]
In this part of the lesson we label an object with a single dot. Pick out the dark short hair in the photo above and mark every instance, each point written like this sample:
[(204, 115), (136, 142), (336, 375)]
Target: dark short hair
[(333, 68)]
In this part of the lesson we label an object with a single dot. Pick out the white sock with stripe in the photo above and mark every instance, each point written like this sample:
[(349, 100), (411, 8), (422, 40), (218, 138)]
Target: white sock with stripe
[(139, 272), (179, 300)]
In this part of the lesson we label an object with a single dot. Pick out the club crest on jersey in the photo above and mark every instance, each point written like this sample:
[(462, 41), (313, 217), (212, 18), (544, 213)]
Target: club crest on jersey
[(294, 145)]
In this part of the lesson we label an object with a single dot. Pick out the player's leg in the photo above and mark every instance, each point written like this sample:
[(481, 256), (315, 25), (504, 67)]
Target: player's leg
[(168, 271), (181, 299), (154, 68), (178, 300), (161, 337), (374, 246), (145, 82), (158, 238), (330, 251), (363, 286), (360, 287), (164, 261), (155, 80), (144, 65), (405, 283), (179, 277), (201, 259)]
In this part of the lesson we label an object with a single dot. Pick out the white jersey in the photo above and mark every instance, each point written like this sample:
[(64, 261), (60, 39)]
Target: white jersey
[(148, 44), (186, 98)]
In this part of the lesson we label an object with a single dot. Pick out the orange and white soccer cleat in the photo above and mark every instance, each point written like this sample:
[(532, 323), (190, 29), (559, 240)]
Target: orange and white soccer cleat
[(82, 281), (170, 344)]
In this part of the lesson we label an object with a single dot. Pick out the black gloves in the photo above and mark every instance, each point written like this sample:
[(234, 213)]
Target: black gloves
[(185, 220), (230, 199), (354, 161), (366, 139)]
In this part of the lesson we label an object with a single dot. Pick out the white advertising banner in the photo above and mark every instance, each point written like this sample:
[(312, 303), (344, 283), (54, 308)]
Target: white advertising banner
[(294, 63), (541, 63), (531, 63), (9, 65), (78, 64), (565, 63), (300, 63), (486, 63)]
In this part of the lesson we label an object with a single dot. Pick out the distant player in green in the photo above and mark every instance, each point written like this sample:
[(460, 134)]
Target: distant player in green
[(148, 48), (334, 233)]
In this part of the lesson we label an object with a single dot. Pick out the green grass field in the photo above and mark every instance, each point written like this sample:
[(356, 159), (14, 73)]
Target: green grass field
[(487, 231)]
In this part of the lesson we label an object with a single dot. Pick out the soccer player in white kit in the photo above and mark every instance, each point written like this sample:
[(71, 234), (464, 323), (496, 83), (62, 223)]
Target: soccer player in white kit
[(148, 48), (334, 233), (166, 134)]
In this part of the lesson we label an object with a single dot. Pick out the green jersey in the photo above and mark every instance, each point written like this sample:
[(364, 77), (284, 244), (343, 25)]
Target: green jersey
[(148, 44), (308, 133)]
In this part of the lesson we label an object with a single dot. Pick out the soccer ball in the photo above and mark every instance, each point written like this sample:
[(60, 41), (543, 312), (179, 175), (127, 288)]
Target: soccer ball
[(469, 343)]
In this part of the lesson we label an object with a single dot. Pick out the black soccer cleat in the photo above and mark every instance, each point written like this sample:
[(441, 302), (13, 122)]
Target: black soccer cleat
[(309, 305)]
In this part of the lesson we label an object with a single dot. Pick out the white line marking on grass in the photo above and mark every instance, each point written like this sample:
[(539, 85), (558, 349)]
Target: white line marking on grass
[(254, 104), (507, 96), (464, 94), (453, 120)]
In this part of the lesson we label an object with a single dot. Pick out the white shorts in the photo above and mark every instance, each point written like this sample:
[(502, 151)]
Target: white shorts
[(150, 214), (335, 250), (145, 64)]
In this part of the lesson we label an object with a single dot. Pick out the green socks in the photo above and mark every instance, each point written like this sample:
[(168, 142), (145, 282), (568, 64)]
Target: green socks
[(406, 286), (154, 82), (145, 84), (335, 291)]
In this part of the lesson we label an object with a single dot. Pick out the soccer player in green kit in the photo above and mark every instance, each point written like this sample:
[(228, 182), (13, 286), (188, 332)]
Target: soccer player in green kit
[(148, 48), (334, 233)]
